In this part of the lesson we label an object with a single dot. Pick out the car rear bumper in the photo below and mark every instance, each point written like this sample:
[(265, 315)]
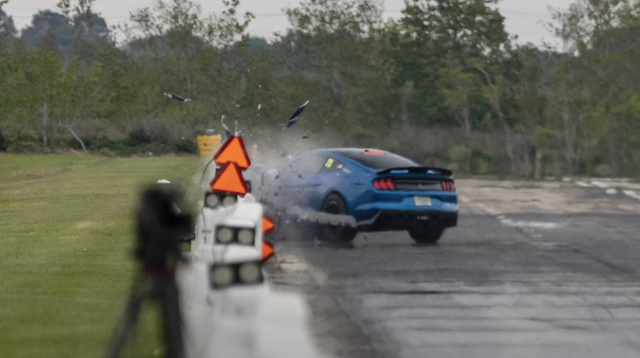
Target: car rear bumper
[(385, 220)]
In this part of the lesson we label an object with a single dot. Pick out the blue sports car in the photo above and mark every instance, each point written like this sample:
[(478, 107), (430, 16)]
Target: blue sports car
[(382, 191)]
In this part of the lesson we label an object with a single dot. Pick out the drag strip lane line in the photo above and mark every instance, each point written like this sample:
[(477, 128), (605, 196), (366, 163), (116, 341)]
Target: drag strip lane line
[(295, 263), (599, 184), (527, 224), (526, 228), (632, 194), (502, 219), (607, 188)]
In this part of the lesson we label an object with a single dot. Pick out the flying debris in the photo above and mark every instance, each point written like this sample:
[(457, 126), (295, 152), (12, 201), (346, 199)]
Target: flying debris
[(177, 98), (227, 132), (296, 116)]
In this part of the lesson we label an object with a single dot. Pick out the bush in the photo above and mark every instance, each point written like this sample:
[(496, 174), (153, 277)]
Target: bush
[(121, 148), (186, 146), (139, 141), (587, 164), (23, 143), (480, 162), (138, 137), (3, 145), (458, 154), (74, 144)]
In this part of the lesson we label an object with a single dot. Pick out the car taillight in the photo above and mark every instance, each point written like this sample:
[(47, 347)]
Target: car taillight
[(448, 185), (390, 185), (384, 184)]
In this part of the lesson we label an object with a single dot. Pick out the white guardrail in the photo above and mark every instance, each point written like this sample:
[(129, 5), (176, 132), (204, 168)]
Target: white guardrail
[(228, 306)]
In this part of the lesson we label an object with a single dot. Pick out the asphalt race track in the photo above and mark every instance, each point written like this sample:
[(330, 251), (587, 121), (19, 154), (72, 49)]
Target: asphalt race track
[(535, 269)]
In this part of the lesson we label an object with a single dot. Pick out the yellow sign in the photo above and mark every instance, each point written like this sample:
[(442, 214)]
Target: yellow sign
[(329, 163)]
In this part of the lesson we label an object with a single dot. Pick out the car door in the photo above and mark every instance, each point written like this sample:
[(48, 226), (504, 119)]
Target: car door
[(329, 177), (295, 185)]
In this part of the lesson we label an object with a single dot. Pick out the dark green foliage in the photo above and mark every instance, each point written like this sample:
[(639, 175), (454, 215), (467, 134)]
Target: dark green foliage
[(3, 145), (138, 137), (49, 29), (443, 84), (7, 26), (187, 146)]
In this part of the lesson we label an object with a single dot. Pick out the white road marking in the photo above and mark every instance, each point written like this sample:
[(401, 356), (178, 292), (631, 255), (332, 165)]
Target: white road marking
[(632, 194), (550, 185), (583, 184), (528, 224), (292, 263), (611, 191), (599, 184)]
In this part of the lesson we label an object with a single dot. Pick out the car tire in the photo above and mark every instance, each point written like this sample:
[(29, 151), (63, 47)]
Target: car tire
[(426, 235), (334, 204)]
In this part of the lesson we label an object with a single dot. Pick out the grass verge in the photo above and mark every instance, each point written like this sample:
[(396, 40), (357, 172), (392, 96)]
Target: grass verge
[(66, 229)]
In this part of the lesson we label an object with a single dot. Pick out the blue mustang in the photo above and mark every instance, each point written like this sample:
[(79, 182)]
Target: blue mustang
[(382, 191)]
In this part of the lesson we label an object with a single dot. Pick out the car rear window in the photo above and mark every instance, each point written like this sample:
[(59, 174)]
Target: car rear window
[(376, 159)]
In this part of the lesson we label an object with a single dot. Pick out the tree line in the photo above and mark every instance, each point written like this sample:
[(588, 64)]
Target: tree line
[(444, 84)]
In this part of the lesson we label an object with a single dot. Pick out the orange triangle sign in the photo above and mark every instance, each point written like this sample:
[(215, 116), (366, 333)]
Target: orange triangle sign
[(267, 251), (229, 179), (267, 225), (233, 151)]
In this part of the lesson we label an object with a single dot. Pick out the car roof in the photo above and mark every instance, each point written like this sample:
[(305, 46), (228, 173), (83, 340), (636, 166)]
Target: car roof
[(379, 159)]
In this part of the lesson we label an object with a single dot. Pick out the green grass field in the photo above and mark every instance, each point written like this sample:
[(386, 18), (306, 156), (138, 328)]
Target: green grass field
[(66, 230)]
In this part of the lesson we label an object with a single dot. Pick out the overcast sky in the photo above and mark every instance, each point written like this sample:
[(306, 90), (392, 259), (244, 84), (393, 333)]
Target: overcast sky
[(524, 18)]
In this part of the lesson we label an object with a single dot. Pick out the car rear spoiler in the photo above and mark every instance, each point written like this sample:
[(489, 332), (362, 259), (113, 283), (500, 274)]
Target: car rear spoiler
[(418, 170)]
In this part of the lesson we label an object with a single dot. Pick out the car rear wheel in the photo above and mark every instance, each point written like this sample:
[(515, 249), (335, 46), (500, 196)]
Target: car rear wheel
[(426, 235), (334, 204)]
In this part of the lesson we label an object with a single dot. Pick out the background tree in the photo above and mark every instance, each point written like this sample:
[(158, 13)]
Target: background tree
[(460, 90), (7, 26), (337, 48), (444, 84)]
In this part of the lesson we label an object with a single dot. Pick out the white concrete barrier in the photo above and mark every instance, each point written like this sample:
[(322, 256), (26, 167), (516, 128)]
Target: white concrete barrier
[(242, 321)]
